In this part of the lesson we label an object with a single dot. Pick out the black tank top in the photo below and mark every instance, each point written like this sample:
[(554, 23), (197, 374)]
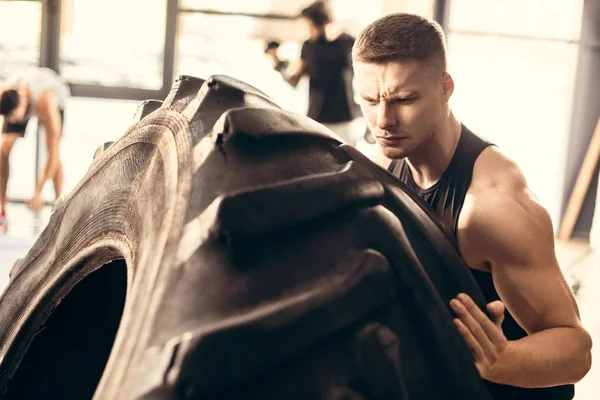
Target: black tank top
[(446, 197)]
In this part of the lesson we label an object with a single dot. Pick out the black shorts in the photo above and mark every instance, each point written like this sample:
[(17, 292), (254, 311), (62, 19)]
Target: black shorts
[(20, 127)]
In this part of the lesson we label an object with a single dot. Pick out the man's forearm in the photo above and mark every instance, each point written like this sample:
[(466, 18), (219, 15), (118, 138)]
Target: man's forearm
[(552, 357), (49, 172), (282, 67), (292, 80)]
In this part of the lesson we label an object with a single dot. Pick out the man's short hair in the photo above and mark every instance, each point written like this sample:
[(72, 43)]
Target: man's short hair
[(317, 13), (9, 101), (400, 36)]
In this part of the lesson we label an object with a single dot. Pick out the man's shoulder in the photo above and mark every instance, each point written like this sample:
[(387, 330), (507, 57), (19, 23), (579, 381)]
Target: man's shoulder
[(495, 171), (497, 182), (499, 213), (307, 48), (346, 37)]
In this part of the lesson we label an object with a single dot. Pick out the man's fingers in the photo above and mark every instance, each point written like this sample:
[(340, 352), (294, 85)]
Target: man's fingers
[(474, 328), (471, 342), (472, 308), (491, 329)]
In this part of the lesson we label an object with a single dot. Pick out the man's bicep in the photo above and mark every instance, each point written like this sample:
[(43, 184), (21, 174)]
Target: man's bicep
[(538, 297), (525, 270), (295, 77)]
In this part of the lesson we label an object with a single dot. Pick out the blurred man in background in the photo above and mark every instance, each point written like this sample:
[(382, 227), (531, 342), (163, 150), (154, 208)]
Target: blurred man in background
[(325, 60), (41, 93)]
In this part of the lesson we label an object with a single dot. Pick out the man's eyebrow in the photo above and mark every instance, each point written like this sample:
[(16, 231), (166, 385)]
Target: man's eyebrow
[(400, 96), (367, 97), (392, 97)]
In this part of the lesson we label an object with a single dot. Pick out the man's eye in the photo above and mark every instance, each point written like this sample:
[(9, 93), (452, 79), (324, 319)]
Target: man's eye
[(404, 100)]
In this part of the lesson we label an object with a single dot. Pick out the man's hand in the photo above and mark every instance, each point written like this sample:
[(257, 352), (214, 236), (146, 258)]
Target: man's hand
[(482, 334), (278, 64), (36, 203), (272, 53)]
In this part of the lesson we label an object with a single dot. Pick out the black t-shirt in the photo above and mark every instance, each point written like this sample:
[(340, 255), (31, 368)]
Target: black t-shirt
[(329, 67)]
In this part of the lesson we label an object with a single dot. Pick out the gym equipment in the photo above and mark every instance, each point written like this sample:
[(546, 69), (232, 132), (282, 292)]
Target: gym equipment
[(281, 65), (271, 45), (145, 108), (223, 248)]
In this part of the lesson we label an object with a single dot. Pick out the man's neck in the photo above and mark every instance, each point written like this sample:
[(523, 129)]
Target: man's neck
[(333, 31), (329, 32), (429, 161)]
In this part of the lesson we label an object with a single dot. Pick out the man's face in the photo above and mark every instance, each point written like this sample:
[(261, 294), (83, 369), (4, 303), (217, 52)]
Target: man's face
[(18, 114), (403, 103), (311, 29)]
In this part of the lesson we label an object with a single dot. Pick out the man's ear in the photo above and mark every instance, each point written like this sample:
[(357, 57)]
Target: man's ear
[(447, 87)]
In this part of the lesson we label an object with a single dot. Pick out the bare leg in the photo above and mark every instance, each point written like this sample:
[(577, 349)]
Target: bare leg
[(8, 140), (58, 181)]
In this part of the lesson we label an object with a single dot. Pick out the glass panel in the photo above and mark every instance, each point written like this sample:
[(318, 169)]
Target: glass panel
[(202, 53), (420, 7), (354, 16), (209, 26), (558, 19), (20, 30), (278, 7), (518, 93), (118, 44)]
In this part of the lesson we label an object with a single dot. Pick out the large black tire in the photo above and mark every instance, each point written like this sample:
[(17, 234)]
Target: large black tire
[(226, 249)]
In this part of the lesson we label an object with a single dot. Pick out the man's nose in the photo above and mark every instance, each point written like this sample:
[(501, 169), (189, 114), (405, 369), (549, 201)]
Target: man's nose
[(386, 117)]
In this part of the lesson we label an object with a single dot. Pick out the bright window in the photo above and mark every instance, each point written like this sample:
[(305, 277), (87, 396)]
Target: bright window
[(514, 65), (113, 43), (20, 29)]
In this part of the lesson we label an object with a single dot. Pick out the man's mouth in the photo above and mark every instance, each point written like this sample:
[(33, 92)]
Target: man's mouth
[(391, 141)]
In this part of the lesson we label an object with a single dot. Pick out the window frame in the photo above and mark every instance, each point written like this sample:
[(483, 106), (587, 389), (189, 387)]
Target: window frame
[(50, 48)]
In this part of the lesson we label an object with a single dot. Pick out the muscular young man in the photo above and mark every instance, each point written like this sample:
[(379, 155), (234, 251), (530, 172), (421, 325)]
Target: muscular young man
[(532, 345)]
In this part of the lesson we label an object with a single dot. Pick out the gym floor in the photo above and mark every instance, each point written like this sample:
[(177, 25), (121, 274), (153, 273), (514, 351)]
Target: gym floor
[(578, 261)]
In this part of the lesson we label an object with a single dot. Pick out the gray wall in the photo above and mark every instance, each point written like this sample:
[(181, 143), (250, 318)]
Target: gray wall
[(586, 111)]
